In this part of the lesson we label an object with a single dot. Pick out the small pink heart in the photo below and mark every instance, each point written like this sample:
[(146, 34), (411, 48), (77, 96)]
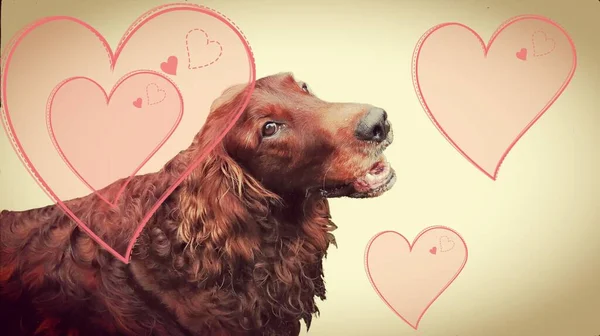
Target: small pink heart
[(405, 277), (138, 103), (170, 66), (522, 54)]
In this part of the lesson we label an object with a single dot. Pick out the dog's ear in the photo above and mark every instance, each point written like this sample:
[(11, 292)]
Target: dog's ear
[(223, 110), (218, 201), (227, 107), (234, 94)]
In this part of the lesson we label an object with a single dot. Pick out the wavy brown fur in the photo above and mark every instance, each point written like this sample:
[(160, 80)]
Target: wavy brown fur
[(225, 254)]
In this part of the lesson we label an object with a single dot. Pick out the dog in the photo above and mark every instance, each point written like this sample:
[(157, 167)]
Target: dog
[(235, 250)]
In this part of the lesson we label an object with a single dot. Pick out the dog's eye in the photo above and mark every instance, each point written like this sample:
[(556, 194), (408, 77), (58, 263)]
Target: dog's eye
[(270, 128), (305, 87)]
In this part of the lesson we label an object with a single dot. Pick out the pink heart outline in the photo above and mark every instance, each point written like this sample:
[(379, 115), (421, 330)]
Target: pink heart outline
[(108, 97), (113, 57), (546, 39), (449, 241), (486, 48), (208, 42), (411, 246), (156, 90)]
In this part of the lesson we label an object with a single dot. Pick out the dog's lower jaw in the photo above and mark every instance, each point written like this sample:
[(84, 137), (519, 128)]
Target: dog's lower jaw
[(386, 186), (378, 180)]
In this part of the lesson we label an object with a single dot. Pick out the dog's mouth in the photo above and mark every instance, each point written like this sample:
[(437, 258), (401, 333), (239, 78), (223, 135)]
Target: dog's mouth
[(379, 179), (376, 181)]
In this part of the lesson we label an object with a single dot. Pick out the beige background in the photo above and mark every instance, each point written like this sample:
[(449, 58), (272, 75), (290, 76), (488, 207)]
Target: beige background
[(533, 236)]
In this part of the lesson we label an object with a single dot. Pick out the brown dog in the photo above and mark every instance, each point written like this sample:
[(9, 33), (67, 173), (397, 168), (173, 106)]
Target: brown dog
[(236, 249)]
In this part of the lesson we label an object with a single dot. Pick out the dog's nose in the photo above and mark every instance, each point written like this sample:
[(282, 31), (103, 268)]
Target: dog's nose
[(373, 126)]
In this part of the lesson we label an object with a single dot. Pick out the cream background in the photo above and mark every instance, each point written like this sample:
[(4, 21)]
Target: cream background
[(533, 236)]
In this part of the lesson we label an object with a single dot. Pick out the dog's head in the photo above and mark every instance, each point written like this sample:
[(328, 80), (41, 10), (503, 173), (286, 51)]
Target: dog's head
[(292, 141)]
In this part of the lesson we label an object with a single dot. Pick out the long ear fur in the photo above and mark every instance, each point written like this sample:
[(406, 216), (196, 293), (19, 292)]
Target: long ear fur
[(219, 202)]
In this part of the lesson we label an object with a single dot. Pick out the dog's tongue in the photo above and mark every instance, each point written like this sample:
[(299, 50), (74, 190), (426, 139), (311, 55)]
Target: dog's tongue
[(375, 177)]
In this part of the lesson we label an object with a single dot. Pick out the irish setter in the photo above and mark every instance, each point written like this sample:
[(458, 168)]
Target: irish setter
[(236, 249)]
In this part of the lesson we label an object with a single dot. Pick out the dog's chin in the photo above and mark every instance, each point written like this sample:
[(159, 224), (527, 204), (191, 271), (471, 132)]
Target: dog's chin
[(376, 181), (379, 179)]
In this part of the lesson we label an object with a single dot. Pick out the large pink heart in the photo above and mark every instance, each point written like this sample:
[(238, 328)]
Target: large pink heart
[(55, 50), (409, 278), (483, 98)]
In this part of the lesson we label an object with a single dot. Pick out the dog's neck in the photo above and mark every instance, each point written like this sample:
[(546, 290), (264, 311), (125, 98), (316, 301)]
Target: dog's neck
[(242, 251)]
